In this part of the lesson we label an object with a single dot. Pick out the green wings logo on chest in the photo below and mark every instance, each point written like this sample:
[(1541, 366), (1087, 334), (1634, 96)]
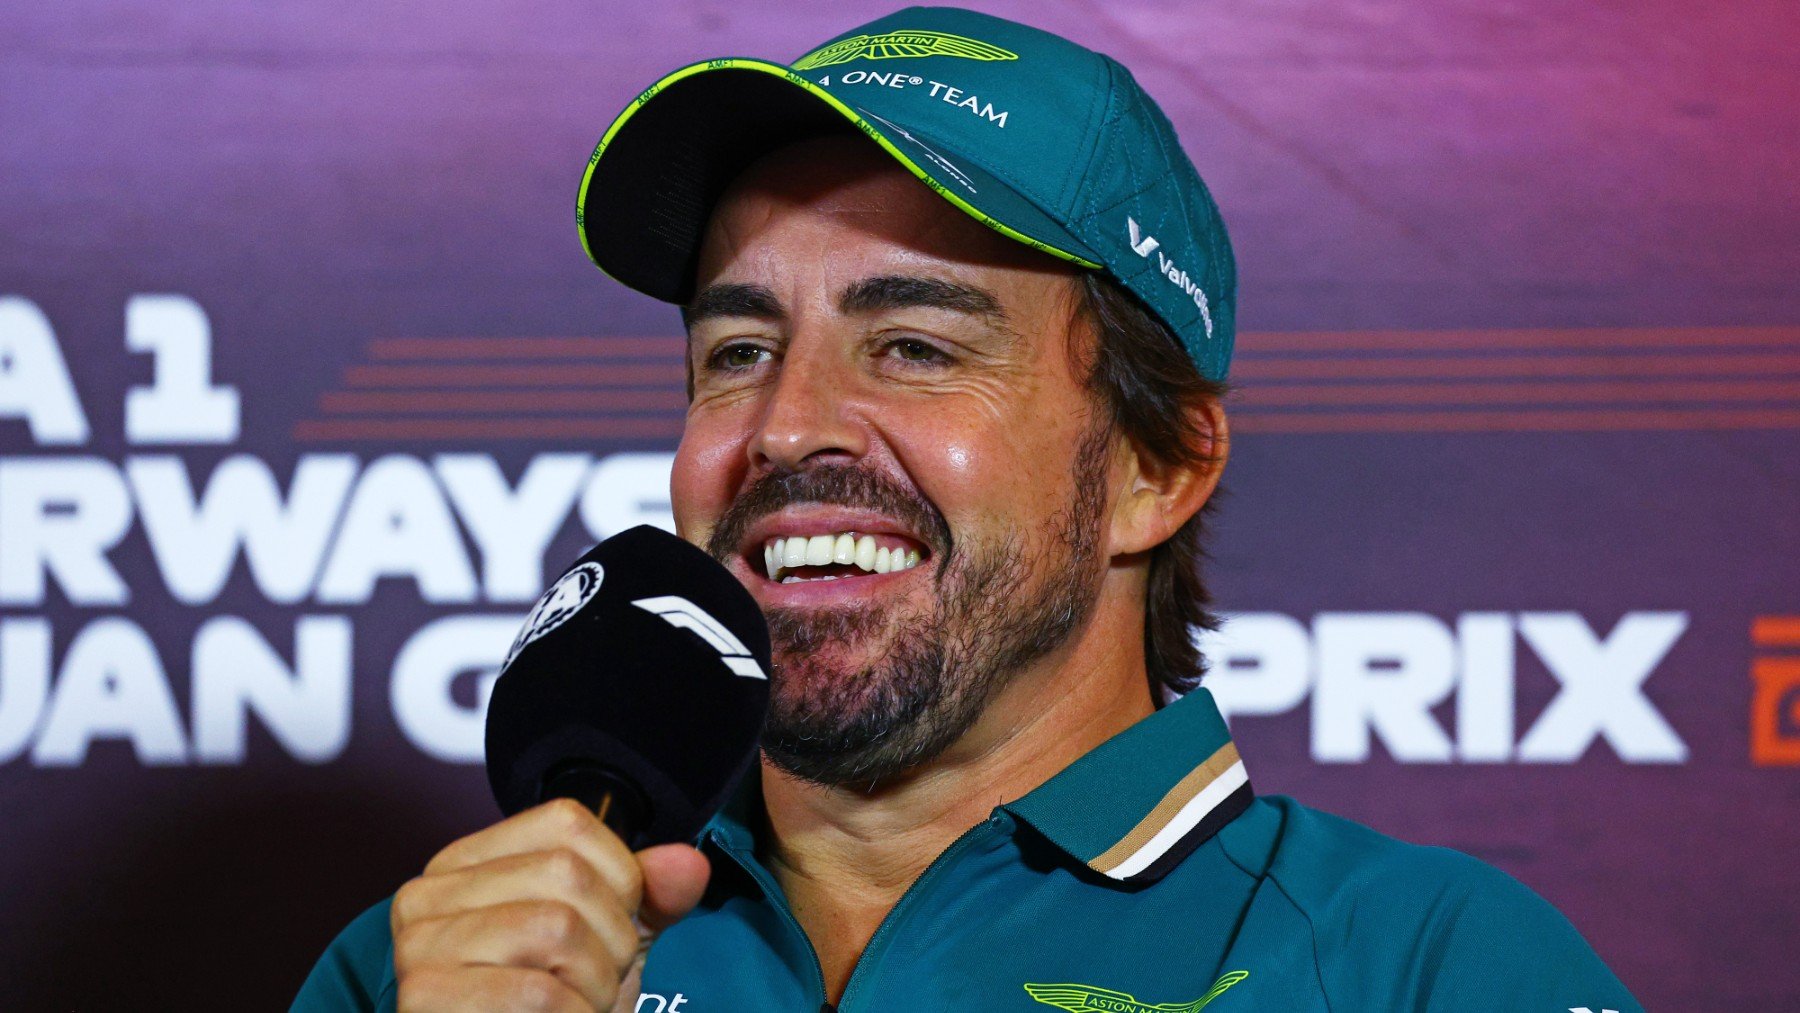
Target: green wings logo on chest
[(891, 45), (1088, 999)]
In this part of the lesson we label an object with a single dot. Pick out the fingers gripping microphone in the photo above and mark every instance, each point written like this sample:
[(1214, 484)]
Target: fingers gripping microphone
[(637, 685)]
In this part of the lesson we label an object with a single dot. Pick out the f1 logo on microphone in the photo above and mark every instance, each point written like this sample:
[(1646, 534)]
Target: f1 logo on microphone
[(685, 615)]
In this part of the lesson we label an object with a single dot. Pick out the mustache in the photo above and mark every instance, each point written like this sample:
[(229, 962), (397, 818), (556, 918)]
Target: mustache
[(830, 485)]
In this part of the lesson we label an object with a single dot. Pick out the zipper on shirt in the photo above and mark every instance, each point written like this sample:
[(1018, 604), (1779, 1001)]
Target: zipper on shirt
[(773, 890), (907, 900)]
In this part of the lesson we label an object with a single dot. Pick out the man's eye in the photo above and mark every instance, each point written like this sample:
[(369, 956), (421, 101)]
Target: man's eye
[(738, 356), (914, 350)]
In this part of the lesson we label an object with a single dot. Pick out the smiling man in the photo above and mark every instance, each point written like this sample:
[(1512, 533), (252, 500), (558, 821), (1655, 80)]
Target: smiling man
[(959, 313), (878, 376)]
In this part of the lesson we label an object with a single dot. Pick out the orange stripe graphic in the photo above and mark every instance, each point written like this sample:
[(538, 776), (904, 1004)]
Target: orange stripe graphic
[(1519, 421), (438, 402), (1775, 631), (1775, 700), (1426, 367), (1545, 392), (526, 348), (631, 428), (515, 376), (1677, 338), (1559, 379)]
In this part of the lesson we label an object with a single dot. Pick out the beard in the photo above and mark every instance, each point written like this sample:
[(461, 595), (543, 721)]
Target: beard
[(1000, 603)]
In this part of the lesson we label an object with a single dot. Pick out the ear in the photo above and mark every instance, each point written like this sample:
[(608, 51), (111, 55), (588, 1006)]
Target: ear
[(1159, 496)]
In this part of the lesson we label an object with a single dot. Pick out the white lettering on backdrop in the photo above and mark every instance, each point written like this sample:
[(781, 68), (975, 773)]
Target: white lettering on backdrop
[(456, 531), (451, 527)]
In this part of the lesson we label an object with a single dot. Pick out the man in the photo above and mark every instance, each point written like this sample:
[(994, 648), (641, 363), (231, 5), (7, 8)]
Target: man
[(956, 439)]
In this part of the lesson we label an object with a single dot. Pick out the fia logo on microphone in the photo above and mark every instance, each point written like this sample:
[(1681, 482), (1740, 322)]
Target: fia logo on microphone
[(564, 599)]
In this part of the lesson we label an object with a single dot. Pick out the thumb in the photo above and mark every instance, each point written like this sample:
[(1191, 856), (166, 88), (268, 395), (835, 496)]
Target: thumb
[(675, 876)]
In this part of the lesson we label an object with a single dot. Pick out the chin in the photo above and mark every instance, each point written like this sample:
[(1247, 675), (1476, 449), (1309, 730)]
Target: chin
[(837, 668)]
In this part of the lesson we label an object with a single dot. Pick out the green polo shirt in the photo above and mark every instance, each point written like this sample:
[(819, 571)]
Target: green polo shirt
[(1145, 878)]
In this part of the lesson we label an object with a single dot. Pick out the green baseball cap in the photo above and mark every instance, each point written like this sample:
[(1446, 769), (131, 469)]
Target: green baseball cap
[(1042, 140)]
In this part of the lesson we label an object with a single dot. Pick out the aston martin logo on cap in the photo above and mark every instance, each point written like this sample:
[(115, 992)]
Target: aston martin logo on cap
[(891, 45)]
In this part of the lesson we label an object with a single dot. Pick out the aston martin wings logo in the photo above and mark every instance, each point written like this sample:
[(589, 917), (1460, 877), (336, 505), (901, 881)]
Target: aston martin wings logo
[(890, 45), (1088, 999)]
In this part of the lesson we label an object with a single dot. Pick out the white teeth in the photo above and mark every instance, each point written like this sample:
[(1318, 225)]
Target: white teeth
[(844, 549), (793, 552)]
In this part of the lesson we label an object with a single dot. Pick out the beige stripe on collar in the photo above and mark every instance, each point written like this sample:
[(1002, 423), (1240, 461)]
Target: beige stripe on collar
[(1184, 792)]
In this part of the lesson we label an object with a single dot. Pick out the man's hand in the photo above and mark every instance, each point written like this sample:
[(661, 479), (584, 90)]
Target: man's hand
[(547, 910)]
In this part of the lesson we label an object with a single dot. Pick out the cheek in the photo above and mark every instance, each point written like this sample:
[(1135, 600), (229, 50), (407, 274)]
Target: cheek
[(946, 452), (984, 471), (960, 458), (709, 465)]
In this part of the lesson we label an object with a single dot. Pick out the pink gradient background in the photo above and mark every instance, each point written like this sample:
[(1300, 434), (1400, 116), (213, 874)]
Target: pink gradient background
[(326, 174)]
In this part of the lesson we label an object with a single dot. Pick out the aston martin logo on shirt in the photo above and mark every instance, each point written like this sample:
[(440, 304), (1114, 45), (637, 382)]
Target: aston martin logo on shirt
[(891, 45), (1088, 999)]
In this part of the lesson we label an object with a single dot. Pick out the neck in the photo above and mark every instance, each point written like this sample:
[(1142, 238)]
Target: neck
[(844, 856)]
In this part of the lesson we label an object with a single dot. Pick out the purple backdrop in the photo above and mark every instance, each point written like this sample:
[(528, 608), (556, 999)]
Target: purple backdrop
[(1512, 524)]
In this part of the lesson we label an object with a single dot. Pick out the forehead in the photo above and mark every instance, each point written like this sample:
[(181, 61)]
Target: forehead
[(841, 202)]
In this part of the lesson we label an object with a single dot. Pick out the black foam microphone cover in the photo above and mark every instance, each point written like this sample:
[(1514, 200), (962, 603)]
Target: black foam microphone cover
[(638, 684)]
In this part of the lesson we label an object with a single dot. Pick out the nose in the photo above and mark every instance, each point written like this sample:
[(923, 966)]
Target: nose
[(809, 416)]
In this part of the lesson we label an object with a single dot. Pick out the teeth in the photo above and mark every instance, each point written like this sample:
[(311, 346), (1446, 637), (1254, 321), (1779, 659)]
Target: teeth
[(844, 549), (793, 552)]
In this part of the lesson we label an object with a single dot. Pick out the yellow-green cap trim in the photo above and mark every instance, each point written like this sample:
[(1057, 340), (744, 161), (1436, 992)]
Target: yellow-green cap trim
[(778, 70)]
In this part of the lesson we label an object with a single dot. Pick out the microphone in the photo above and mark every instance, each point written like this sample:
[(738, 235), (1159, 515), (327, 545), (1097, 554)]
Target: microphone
[(637, 686)]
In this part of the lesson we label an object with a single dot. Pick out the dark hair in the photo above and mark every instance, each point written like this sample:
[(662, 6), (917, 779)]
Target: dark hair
[(1149, 386)]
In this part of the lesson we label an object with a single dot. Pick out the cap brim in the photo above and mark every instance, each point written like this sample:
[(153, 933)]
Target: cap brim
[(654, 178)]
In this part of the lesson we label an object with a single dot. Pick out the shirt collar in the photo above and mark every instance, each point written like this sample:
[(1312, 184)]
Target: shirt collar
[(1130, 809), (1143, 800)]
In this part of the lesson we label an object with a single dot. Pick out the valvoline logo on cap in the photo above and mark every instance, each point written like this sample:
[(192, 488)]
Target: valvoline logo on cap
[(893, 45)]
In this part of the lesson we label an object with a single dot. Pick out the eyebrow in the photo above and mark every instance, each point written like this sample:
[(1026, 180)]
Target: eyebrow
[(892, 292), (869, 295), (732, 301)]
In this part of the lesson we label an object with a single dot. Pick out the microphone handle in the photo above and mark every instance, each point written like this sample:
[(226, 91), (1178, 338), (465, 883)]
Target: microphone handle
[(606, 793)]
